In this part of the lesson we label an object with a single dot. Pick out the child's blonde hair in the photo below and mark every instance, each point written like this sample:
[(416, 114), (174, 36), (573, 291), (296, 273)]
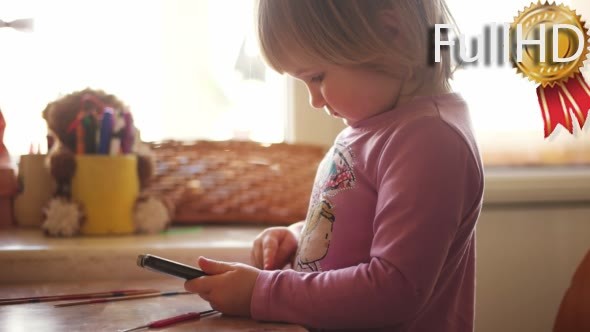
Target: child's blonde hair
[(351, 33)]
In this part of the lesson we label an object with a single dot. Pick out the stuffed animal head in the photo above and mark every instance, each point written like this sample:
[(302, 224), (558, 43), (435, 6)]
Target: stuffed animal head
[(63, 116), (62, 113)]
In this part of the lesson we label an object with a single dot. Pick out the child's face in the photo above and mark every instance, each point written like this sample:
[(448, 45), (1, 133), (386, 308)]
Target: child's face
[(353, 94)]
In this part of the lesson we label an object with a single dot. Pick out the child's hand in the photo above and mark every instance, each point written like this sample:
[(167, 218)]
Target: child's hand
[(274, 248), (228, 287)]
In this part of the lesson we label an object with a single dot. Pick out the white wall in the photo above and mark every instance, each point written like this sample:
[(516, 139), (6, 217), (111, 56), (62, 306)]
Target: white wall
[(582, 7), (309, 125), (526, 256)]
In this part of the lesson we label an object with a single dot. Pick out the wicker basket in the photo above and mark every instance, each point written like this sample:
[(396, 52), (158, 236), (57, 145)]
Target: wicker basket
[(235, 181)]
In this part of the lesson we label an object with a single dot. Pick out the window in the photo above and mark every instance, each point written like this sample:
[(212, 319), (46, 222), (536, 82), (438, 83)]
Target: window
[(504, 107), (185, 72)]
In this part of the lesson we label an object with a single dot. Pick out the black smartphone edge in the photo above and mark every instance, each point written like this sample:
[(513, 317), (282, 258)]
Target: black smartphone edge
[(168, 266)]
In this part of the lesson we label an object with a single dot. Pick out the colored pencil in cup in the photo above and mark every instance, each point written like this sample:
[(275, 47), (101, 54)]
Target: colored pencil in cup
[(80, 134), (118, 134), (121, 298), (106, 131), (128, 133), (77, 296), (90, 127)]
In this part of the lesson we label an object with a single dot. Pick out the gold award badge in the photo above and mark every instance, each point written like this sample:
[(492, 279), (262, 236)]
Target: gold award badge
[(549, 44)]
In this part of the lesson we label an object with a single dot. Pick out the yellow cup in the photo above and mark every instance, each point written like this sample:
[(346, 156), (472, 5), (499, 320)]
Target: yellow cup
[(107, 187)]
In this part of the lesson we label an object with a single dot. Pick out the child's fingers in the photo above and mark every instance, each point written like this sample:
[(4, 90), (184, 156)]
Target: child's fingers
[(253, 258), (269, 249), (256, 254), (200, 286), (206, 284), (284, 253), (205, 296), (213, 267)]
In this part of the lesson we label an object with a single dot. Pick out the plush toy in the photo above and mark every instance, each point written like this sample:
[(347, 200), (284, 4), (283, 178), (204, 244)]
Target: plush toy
[(8, 186), (4, 156), (97, 112)]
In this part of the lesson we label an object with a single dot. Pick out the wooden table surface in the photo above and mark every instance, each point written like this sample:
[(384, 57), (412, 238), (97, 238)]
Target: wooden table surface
[(118, 315)]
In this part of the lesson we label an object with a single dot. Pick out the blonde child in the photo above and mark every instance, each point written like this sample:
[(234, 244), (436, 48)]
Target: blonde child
[(389, 238)]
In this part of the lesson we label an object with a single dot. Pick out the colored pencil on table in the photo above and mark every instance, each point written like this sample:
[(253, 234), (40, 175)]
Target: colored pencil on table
[(122, 298), (173, 320), (79, 296)]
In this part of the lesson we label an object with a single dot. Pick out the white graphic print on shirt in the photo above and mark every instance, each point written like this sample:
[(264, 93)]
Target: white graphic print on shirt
[(335, 174)]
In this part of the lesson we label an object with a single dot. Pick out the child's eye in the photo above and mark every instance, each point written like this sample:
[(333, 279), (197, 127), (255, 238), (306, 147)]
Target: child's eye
[(317, 78)]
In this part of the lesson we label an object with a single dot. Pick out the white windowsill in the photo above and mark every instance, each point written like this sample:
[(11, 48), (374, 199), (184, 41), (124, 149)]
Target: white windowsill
[(27, 255), (537, 185)]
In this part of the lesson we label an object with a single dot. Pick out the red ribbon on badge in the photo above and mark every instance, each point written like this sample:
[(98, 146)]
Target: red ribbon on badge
[(559, 101), (562, 90)]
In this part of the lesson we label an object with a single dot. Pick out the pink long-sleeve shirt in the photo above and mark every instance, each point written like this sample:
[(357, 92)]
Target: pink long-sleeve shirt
[(389, 238)]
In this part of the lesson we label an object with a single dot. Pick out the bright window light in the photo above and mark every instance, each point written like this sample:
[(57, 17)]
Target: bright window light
[(504, 109), (182, 69)]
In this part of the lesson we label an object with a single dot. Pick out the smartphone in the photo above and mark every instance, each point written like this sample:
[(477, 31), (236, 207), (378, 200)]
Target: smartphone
[(167, 266)]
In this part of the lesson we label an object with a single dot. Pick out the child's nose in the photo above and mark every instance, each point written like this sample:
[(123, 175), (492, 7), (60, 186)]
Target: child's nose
[(316, 99)]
